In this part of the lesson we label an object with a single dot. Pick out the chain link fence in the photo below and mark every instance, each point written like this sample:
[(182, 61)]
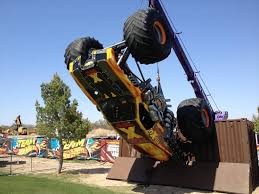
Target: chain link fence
[(13, 164)]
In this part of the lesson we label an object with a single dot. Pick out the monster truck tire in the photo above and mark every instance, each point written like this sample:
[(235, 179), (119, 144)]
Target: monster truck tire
[(147, 36), (195, 120), (81, 47)]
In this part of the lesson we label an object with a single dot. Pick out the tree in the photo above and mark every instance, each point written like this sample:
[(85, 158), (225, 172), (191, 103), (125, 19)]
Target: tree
[(59, 117), (256, 121)]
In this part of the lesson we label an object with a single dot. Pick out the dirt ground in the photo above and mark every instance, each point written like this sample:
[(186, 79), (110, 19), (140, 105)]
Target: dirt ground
[(87, 172)]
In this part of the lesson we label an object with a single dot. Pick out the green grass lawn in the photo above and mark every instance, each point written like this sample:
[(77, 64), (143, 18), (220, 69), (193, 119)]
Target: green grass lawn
[(42, 185)]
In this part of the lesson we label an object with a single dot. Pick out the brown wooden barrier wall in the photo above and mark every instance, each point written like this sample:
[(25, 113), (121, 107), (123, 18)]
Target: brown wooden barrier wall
[(234, 142)]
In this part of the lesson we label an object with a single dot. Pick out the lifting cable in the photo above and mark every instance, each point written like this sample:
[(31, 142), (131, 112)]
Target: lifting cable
[(185, 49), (158, 73)]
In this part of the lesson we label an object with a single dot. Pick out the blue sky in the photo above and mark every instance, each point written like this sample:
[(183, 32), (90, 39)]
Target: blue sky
[(221, 36)]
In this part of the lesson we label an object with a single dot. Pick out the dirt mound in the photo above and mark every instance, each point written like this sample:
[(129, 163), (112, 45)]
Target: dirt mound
[(100, 132)]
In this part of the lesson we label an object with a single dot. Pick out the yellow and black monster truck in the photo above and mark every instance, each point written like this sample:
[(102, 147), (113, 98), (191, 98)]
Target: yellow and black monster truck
[(137, 110)]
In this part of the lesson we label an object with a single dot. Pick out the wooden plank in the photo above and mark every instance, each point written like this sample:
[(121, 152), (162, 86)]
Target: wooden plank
[(223, 177)]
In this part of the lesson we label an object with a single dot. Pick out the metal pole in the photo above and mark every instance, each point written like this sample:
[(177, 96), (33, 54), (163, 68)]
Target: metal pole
[(11, 164), (31, 164)]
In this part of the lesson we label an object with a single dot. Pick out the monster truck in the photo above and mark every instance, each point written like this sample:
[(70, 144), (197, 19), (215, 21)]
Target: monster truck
[(137, 110)]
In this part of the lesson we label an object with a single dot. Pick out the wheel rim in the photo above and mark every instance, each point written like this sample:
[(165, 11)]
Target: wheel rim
[(160, 31), (205, 117)]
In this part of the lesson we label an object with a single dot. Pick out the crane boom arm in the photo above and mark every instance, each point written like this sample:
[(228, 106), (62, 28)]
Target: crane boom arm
[(178, 49)]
